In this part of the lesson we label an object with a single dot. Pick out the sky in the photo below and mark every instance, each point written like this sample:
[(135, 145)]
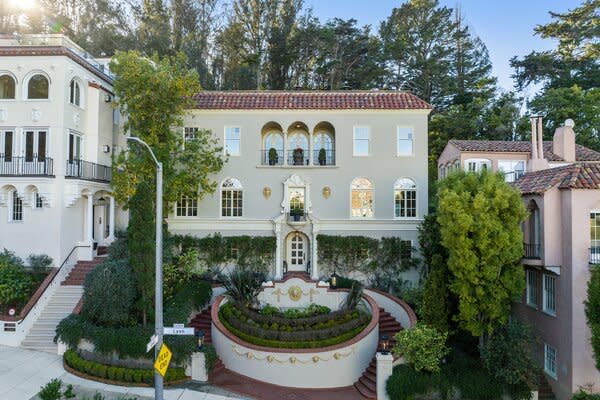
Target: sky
[(505, 26)]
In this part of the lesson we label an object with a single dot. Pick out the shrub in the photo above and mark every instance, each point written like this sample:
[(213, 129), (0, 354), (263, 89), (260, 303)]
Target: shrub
[(53, 391), (354, 296), (210, 355), (109, 294), (39, 263), (592, 312), (422, 347), (243, 286), (508, 355), (15, 283), (581, 395)]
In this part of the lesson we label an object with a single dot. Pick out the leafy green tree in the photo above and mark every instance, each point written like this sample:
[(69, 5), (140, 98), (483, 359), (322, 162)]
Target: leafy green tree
[(422, 346), (435, 310), (592, 312), (15, 283), (480, 217)]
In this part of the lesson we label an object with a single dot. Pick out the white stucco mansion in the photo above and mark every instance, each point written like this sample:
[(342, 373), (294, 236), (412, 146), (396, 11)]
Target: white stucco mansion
[(57, 133), (307, 163)]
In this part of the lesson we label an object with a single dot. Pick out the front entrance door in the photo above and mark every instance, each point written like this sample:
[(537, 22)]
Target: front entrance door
[(297, 249)]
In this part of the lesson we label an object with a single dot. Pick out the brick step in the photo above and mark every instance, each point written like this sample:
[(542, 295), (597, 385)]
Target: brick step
[(365, 391), (371, 376), (370, 384)]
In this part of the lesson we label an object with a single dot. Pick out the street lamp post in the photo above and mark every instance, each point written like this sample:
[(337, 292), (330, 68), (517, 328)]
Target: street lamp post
[(158, 299)]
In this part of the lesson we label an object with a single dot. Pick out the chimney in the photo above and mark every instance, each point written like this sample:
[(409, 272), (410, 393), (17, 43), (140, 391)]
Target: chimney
[(540, 138), (534, 154), (537, 162), (563, 142)]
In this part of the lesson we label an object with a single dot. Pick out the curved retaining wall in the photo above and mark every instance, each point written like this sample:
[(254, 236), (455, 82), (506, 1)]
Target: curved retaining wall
[(328, 367), (396, 307)]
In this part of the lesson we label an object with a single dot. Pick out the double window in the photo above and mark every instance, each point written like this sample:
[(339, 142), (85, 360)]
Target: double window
[(362, 137), (75, 93), (550, 360), (477, 165), (405, 198), (233, 137), (362, 198), (532, 288), (187, 207), (512, 169), (36, 142), (16, 207), (405, 142), (231, 198), (549, 294)]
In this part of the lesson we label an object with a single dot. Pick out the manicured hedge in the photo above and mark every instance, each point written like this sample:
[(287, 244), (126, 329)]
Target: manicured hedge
[(119, 374), (293, 322)]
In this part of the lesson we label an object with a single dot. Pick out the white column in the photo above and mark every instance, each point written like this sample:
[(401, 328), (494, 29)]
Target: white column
[(198, 368), (111, 227), (285, 146), (315, 267), (278, 258), (384, 371), (90, 220)]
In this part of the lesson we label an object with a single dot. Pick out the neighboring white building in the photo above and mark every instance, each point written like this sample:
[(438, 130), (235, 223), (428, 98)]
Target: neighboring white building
[(58, 131), (351, 162)]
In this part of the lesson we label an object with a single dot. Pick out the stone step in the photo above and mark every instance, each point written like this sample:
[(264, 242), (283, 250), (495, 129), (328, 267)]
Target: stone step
[(370, 384), (365, 391)]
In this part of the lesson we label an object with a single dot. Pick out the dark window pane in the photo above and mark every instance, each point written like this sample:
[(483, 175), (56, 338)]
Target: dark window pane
[(38, 87), (41, 146), (8, 145), (29, 146), (7, 87)]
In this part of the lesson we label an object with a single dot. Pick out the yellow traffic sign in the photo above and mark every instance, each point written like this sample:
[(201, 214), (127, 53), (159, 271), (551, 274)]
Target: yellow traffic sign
[(163, 360)]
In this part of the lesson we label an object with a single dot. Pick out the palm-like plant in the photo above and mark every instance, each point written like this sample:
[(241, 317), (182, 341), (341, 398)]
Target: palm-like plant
[(354, 296), (243, 287)]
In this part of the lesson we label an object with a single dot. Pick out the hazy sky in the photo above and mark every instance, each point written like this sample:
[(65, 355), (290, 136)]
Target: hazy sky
[(505, 26)]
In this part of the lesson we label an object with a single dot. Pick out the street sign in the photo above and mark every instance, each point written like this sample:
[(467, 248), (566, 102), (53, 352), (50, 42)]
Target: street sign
[(151, 343), (163, 360), (178, 331)]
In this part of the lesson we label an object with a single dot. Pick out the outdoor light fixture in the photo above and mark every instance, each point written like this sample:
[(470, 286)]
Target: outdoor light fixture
[(333, 281), (12, 312), (200, 336), (267, 192), (385, 344), (106, 148), (326, 192)]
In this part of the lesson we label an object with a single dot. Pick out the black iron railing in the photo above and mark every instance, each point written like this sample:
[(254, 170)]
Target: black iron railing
[(595, 255), (274, 157), (532, 250), (26, 166), (513, 175), (88, 170), (298, 157), (324, 157)]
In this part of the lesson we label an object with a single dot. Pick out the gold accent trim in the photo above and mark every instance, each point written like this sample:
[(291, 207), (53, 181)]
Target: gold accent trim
[(295, 293), (292, 359)]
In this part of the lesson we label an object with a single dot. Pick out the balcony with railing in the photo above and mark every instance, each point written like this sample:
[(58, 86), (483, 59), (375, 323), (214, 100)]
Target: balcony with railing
[(595, 256), (79, 169), (26, 166), (324, 157), (272, 157), (298, 157), (532, 250)]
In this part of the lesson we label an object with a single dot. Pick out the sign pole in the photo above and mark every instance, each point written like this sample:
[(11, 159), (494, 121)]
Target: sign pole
[(158, 379)]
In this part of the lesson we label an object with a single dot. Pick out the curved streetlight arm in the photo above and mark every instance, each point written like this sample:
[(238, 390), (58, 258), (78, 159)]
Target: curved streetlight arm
[(137, 139)]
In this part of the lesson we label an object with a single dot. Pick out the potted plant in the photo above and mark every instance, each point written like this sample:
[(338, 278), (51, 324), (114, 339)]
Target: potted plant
[(298, 156), (273, 156), (296, 213), (322, 157)]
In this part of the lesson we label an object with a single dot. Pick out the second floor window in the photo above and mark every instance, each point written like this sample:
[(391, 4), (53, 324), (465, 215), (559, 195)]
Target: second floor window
[(187, 207), (231, 198), (549, 300), (190, 133), (361, 140), (595, 237), (75, 93), (38, 87), (6, 145), (39, 201), (405, 198), (16, 214), (532, 288), (477, 165), (405, 141), (512, 169), (75, 148), (35, 145), (7, 87), (362, 198), (233, 140), (550, 360)]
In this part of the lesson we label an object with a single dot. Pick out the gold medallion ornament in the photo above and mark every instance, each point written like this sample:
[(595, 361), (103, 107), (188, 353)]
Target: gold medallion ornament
[(295, 293), (326, 192), (267, 192)]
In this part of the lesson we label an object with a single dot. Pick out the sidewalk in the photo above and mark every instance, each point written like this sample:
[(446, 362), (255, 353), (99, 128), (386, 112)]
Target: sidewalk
[(24, 372)]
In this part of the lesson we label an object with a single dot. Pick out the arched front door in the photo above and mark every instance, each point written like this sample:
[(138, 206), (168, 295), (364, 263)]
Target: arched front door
[(297, 251)]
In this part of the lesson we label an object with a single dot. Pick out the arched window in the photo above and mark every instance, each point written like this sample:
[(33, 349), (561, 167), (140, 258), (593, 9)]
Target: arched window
[(38, 87), (273, 148), (75, 93), (324, 153), (231, 198), (405, 198), (362, 198), (16, 207), (7, 87)]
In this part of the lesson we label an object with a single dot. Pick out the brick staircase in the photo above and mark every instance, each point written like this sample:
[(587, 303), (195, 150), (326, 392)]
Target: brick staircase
[(77, 275), (202, 321), (367, 383), (545, 390), (41, 335)]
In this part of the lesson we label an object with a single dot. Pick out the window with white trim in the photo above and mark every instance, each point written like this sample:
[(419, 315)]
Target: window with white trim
[(233, 140), (16, 207), (38, 87), (187, 207), (190, 133), (362, 137), (405, 146), (595, 237), (550, 360), (512, 169), (231, 198), (405, 198), (7, 87), (532, 289), (477, 164), (38, 201), (549, 294), (362, 198), (75, 93)]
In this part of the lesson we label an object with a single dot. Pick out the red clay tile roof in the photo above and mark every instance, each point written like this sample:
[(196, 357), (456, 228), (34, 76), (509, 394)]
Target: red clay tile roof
[(309, 100), (574, 176), (502, 146), (45, 51)]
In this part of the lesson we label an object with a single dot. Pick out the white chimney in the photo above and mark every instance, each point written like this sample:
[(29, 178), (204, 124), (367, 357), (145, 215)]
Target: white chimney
[(534, 154), (563, 142), (537, 162), (540, 130)]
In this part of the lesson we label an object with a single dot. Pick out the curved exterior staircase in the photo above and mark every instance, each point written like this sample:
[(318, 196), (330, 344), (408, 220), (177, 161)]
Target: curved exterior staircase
[(41, 335)]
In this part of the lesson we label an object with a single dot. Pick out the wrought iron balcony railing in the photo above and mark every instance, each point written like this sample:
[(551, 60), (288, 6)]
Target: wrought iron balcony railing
[(274, 157), (298, 157), (532, 250), (26, 166), (325, 157), (595, 255), (88, 170)]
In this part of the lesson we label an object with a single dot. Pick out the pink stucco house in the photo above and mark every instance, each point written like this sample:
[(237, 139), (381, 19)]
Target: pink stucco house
[(560, 185)]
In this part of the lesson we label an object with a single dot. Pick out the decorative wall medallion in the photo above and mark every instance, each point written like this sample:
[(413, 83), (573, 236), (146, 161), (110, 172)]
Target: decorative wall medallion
[(326, 192), (295, 293), (36, 114), (267, 192)]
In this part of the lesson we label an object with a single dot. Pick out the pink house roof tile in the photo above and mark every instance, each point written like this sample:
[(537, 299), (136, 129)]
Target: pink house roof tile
[(574, 176), (308, 100)]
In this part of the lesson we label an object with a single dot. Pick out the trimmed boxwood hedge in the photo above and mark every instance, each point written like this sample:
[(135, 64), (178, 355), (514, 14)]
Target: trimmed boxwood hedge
[(339, 327), (293, 322), (119, 374)]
